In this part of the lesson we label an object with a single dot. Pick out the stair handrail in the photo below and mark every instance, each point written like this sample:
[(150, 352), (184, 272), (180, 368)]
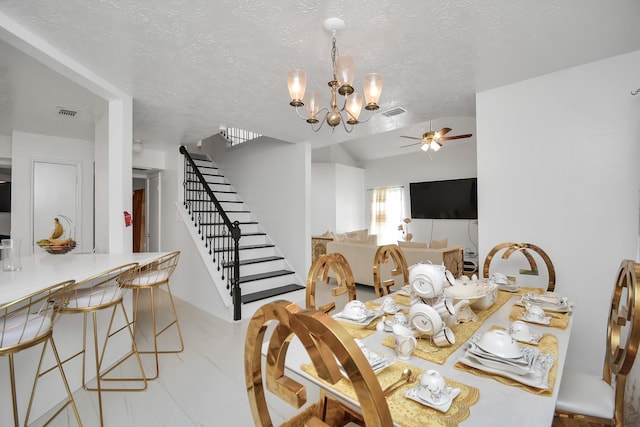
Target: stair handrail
[(233, 227)]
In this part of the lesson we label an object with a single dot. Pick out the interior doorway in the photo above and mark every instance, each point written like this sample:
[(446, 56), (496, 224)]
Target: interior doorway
[(146, 211)]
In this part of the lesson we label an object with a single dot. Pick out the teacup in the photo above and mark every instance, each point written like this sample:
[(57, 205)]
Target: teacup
[(444, 308), (389, 305), (520, 330), (535, 313), (432, 386), (397, 319), (444, 338), (354, 310), (404, 341)]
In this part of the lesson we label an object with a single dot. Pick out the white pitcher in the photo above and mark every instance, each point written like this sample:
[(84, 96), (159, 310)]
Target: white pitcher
[(404, 341)]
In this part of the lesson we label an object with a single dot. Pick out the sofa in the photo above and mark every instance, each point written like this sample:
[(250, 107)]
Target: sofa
[(360, 256)]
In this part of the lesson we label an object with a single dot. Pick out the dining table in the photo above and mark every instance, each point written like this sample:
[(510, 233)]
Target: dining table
[(40, 271), (485, 397)]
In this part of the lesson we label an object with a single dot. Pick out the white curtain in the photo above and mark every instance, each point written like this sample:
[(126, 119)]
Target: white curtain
[(386, 214)]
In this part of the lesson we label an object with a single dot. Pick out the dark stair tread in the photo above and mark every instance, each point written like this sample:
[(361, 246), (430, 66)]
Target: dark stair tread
[(266, 275), (266, 245), (198, 156), (254, 260), (268, 293), (222, 223), (221, 201), (257, 233), (227, 211)]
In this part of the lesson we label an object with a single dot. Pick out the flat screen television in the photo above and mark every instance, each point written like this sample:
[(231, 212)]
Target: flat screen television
[(450, 199), (5, 196)]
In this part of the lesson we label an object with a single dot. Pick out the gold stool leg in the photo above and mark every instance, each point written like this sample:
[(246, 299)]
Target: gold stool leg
[(14, 401)]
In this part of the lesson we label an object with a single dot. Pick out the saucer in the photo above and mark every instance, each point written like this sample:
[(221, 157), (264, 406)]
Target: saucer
[(533, 339), (443, 403), (545, 321)]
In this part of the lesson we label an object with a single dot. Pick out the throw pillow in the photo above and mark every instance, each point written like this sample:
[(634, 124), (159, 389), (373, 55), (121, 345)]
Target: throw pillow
[(439, 244), (404, 244)]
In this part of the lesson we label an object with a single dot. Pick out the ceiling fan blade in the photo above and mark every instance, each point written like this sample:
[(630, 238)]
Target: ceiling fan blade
[(411, 137), (447, 138), (411, 145), (444, 131)]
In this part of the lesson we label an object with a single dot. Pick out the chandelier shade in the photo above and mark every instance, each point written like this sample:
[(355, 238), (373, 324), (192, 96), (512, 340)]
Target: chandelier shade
[(343, 72)]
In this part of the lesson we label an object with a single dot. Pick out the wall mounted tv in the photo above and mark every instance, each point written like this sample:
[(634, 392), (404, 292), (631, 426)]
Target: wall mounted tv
[(450, 199), (5, 196)]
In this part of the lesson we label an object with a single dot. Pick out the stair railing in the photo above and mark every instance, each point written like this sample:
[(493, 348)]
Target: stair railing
[(220, 235)]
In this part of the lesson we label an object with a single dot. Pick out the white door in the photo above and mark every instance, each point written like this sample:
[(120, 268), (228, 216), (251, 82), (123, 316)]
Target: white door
[(56, 194)]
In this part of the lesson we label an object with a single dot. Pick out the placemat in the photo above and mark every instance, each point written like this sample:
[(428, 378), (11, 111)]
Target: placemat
[(407, 412), (548, 345), (558, 320), (427, 350)]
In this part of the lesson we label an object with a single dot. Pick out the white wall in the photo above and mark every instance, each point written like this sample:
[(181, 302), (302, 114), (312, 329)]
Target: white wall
[(273, 178), (558, 167), (323, 200), (28, 147), (452, 161)]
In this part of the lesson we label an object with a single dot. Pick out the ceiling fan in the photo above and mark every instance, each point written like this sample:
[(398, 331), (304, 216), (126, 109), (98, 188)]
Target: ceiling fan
[(433, 139)]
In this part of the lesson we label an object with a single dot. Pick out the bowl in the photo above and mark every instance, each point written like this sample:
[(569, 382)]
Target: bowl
[(520, 330), (500, 343), (425, 319), (354, 310), (427, 280), (481, 295)]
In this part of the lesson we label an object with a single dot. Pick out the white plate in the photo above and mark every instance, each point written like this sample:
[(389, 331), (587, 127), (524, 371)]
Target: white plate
[(538, 378), (545, 321), (547, 302), (377, 361), (369, 315), (443, 405), (495, 364)]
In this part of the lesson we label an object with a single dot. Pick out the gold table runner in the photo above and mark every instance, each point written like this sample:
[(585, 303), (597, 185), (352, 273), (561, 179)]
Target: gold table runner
[(548, 344), (407, 412), (427, 350)]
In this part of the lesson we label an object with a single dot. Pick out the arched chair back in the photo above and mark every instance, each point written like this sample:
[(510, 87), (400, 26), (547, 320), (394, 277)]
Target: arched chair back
[(601, 399), (326, 343), (319, 272), (382, 257), (525, 249)]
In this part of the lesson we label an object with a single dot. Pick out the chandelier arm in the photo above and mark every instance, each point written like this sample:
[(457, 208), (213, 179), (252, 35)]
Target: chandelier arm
[(344, 125), (320, 121), (300, 115), (371, 113)]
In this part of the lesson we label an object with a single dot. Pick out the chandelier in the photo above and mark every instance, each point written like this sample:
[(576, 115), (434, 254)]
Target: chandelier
[(343, 69)]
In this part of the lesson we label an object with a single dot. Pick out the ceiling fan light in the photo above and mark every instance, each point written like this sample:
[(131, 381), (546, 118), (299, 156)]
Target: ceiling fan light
[(297, 81), (372, 86), (435, 146), (424, 147), (353, 107)]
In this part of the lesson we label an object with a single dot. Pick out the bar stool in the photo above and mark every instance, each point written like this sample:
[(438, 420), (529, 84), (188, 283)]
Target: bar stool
[(382, 256), (102, 292), (26, 323), (151, 276)]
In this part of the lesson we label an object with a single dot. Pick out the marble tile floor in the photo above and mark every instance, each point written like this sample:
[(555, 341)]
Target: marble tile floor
[(201, 386)]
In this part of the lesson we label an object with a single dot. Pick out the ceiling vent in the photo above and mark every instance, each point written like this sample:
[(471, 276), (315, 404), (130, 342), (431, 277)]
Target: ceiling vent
[(394, 112), (66, 113)]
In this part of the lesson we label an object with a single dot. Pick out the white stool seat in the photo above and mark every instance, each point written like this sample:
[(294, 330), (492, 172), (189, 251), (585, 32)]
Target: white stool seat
[(149, 277), (582, 393), (23, 328), (94, 297)]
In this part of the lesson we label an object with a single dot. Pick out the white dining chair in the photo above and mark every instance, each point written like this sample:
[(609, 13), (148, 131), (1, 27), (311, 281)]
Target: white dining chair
[(600, 398)]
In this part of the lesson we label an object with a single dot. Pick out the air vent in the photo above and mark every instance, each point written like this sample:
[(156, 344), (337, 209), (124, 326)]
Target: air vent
[(66, 113), (394, 112)]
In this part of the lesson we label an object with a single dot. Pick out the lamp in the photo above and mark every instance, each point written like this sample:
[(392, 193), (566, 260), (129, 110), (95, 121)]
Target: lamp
[(343, 69)]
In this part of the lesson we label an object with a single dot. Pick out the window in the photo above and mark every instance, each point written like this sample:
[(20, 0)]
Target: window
[(386, 214)]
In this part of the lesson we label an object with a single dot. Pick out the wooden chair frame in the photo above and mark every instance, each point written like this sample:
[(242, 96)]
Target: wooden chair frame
[(326, 343), (524, 249), (382, 256), (319, 272)]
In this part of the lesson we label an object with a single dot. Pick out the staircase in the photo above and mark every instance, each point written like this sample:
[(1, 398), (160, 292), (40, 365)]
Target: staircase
[(263, 272)]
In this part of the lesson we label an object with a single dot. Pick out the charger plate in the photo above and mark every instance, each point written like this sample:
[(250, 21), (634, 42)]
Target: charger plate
[(404, 411)]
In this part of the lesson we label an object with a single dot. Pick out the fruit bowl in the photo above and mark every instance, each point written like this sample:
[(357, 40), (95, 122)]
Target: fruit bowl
[(57, 248)]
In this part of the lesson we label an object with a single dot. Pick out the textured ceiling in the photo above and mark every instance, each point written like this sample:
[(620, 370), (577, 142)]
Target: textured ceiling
[(194, 65)]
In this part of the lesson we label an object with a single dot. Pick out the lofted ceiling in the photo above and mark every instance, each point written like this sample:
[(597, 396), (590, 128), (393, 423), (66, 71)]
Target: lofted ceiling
[(192, 66)]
